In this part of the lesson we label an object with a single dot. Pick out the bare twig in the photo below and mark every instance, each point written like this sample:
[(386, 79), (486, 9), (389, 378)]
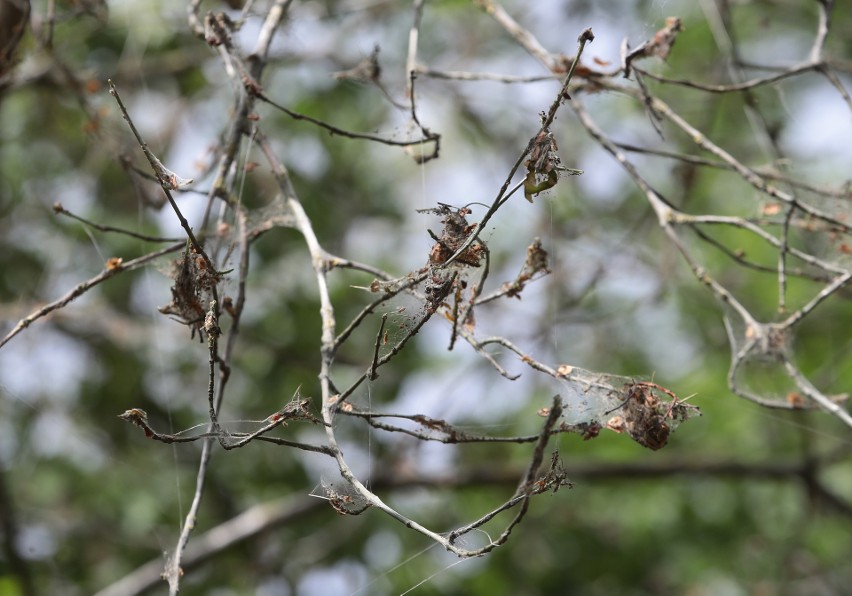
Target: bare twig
[(168, 179), (455, 75), (502, 196), (411, 59), (524, 38), (744, 86), (58, 208), (429, 138), (379, 336), (173, 571), (113, 268)]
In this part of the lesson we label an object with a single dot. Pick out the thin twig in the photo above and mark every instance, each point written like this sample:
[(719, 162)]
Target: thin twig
[(346, 133), (111, 270), (379, 336), (173, 571), (456, 75), (370, 308), (411, 58), (167, 179), (585, 37), (58, 208), (523, 37), (736, 87), (767, 172)]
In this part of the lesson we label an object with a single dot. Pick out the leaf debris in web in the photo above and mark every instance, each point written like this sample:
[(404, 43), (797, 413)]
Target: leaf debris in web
[(646, 412)]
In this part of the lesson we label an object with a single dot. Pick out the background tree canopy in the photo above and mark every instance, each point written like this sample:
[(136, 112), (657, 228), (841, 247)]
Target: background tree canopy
[(321, 284)]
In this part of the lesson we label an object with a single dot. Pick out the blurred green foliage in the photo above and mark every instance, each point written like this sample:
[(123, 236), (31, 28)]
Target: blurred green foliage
[(729, 506)]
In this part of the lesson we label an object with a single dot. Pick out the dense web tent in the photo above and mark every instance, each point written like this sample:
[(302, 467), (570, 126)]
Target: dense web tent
[(385, 297)]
